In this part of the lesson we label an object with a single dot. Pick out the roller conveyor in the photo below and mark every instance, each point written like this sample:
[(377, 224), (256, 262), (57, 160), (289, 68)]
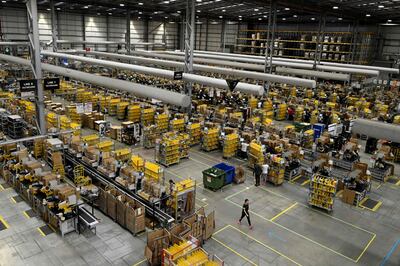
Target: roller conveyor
[(164, 218), (87, 218)]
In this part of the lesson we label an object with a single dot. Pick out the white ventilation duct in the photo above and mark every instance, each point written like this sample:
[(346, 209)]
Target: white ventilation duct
[(207, 81), (376, 129), (313, 73), (261, 61), (211, 69), (139, 90), (380, 69)]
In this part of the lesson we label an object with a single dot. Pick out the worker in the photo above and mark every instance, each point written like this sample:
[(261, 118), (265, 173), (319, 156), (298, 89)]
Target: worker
[(291, 113), (126, 112), (265, 169), (139, 182), (171, 186), (243, 150), (100, 157), (118, 168), (257, 171), (245, 212), (85, 146)]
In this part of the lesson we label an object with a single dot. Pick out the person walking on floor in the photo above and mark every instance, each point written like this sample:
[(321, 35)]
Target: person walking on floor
[(257, 171), (245, 212)]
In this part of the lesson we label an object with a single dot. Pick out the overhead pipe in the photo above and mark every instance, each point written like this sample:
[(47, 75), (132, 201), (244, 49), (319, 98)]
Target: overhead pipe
[(305, 61), (139, 90), (106, 42), (13, 43), (376, 129), (220, 60), (313, 73), (205, 68), (207, 81), (261, 62)]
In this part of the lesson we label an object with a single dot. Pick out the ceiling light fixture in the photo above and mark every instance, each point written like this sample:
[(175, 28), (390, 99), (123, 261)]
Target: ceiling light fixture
[(223, 10), (85, 7), (283, 18), (121, 4), (312, 18), (220, 16), (340, 18), (140, 3), (381, 6), (287, 9), (259, 18), (389, 20), (335, 7), (256, 9), (110, 13), (368, 15), (295, 16)]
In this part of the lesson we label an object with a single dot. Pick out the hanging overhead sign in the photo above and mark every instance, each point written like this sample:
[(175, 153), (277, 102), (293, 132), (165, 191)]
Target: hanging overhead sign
[(51, 84), (178, 75), (28, 87), (232, 83)]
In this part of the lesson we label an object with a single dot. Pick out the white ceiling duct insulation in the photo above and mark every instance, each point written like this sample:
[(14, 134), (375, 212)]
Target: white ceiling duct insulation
[(307, 83), (207, 81), (261, 62), (13, 43), (377, 129), (139, 90), (380, 69), (313, 73)]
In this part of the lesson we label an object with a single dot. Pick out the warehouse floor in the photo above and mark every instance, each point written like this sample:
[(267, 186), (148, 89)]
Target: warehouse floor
[(286, 230)]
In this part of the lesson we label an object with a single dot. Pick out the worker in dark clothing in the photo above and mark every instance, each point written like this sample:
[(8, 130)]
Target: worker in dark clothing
[(245, 212), (118, 168), (100, 157), (257, 171), (126, 113)]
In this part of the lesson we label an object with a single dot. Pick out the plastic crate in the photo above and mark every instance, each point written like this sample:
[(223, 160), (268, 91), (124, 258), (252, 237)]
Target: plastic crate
[(213, 178), (229, 172)]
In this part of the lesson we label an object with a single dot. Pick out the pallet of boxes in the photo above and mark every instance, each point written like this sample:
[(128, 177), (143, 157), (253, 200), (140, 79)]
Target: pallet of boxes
[(200, 226)]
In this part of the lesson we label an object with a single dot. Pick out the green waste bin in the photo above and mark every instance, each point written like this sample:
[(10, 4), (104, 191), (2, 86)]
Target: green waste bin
[(213, 178)]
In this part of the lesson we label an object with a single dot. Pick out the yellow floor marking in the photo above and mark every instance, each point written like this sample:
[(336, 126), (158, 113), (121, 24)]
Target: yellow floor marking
[(339, 193), (13, 200), (234, 251), (303, 236), (377, 206), (294, 179), (4, 222), (41, 232), (379, 186), (234, 194), (305, 182), (282, 212), (197, 161), (26, 215), (398, 183), (265, 245), (366, 247), (140, 262), (320, 212), (2, 188), (222, 229), (51, 227)]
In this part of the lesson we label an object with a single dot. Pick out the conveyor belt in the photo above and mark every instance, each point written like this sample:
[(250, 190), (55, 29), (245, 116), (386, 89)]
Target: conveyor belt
[(164, 218), (87, 218)]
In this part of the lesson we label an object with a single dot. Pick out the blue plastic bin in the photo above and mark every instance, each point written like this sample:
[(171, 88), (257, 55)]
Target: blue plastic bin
[(229, 172)]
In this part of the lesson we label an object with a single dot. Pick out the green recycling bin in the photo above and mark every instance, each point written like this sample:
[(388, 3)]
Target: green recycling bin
[(213, 178)]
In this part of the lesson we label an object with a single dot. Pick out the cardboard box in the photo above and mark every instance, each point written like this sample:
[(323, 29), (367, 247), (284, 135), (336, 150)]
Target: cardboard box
[(121, 209), (112, 195), (102, 200), (64, 191)]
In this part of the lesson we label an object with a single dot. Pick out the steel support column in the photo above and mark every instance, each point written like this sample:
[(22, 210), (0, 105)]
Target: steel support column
[(206, 40), (34, 49), (318, 45), (189, 44), (83, 31), (54, 26), (128, 32), (223, 35), (146, 32), (108, 33)]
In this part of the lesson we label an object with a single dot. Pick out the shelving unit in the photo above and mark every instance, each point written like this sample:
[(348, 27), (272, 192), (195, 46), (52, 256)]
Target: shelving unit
[(112, 104), (177, 125), (276, 173), (161, 121), (134, 113), (194, 131), (184, 145), (153, 171), (52, 120), (121, 107), (210, 140), (137, 163), (147, 116), (255, 154), (322, 192), (281, 112), (106, 146), (336, 46), (231, 145), (167, 151)]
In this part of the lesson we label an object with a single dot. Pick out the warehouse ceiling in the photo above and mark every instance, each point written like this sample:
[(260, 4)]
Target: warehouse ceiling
[(248, 10)]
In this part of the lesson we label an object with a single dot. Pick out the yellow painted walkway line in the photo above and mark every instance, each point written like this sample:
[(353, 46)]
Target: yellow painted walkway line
[(13, 200), (234, 251), (265, 245), (26, 215), (366, 247), (40, 231), (305, 182), (2, 188), (282, 212), (222, 229), (197, 161), (140, 262), (236, 193), (294, 179), (303, 236), (4, 222)]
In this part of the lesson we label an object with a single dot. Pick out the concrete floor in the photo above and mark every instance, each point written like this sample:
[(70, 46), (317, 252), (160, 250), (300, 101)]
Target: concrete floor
[(286, 230)]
